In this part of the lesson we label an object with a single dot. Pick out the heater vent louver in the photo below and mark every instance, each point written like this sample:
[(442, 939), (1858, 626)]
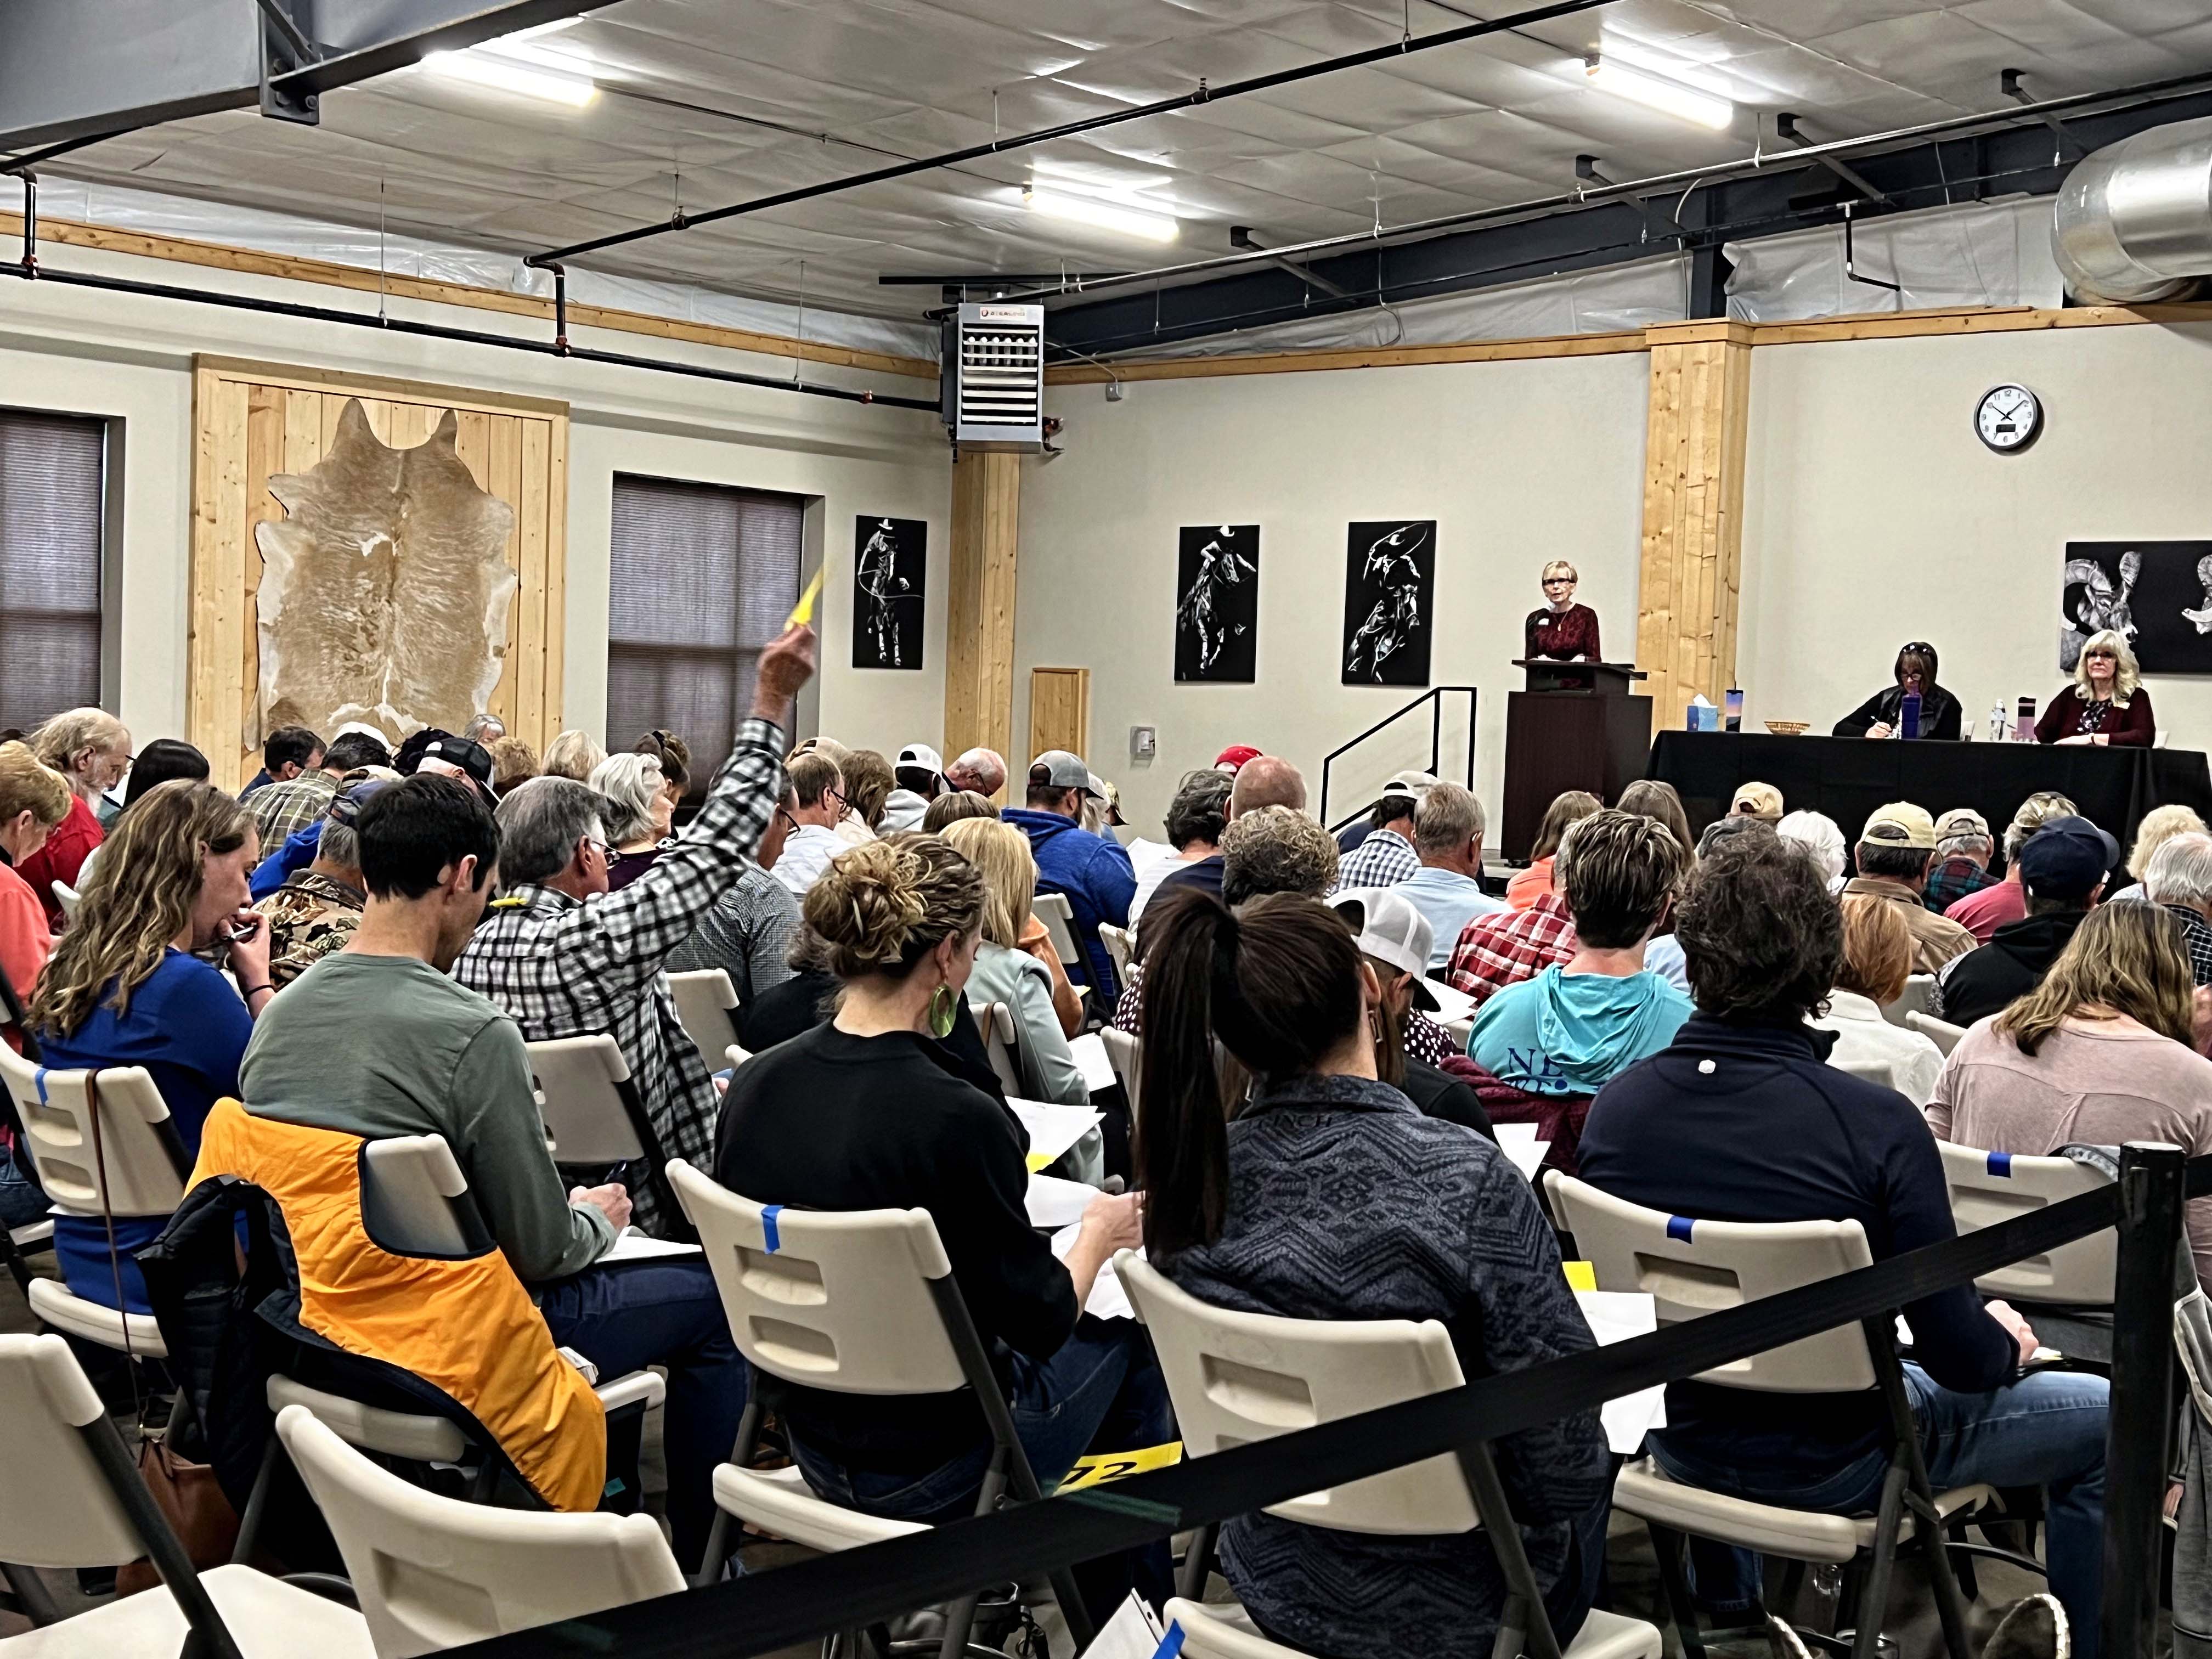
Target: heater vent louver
[(994, 371)]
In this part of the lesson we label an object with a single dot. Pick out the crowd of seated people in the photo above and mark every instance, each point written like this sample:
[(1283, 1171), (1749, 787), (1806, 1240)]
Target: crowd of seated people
[(1693, 1021)]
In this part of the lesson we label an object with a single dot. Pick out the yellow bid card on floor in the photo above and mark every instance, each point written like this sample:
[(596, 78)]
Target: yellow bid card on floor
[(1099, 1467)]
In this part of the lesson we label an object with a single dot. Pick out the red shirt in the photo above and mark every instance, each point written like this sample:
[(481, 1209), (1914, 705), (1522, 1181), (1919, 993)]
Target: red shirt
[(1561, 635), (1981, 913), (1507, 946), (25, 939), (2131, 727), (62, 857)]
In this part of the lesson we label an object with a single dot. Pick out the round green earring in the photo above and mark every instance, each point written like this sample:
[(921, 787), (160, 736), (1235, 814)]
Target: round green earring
[(944, 1008)]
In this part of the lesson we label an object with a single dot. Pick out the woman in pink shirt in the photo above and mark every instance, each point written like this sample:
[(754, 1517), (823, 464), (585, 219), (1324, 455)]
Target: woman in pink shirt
[(91, 751), (2103, 1052), (33, 800)]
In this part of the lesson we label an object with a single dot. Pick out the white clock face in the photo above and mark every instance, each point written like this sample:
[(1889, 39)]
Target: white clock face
[(2008, 418)]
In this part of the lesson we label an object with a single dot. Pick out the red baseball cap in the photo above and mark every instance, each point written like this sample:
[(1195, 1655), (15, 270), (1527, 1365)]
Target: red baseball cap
[(1235, 756)]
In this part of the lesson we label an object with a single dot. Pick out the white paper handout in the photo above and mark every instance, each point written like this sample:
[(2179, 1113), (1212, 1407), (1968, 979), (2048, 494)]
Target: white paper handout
[(1089, 1052), (1614, 1316), (631, 1245), (1108, 1299), (1131, 1633), (1055, 1203), (1527, 1156), (1454, 1007), (1053, 1130)]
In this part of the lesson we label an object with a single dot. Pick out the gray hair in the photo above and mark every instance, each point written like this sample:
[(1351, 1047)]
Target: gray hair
[(2038, 810), (540, 823), (1819, 835), (1448, 819), (339, 844), (2180, 872), (1963, 844), (572, 755), (629, 782), (475, 730)]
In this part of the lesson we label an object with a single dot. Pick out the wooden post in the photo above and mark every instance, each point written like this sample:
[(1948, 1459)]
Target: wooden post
[(1693, 471), (979, 622)]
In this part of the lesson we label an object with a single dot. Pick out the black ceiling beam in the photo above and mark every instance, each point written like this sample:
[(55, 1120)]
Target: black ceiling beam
[(1771, 201)]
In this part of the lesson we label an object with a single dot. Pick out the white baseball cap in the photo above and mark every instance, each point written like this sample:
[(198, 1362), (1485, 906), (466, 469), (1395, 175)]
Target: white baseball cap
[(1391, 930), (1414, 784), (921, 755)]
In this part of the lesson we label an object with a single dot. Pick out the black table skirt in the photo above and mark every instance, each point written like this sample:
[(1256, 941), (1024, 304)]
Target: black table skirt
[(1847, 778)]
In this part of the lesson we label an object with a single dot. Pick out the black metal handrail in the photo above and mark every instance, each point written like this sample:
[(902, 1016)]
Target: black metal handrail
[(1434, 699)]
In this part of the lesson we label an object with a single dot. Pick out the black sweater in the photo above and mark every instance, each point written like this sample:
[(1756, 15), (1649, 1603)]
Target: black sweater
[(831, 1121), (1990, 980), (1772, 1133), (1939, 713)]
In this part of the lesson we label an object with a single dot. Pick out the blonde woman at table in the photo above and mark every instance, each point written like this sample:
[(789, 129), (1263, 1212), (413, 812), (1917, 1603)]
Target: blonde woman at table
[(2107, 705)]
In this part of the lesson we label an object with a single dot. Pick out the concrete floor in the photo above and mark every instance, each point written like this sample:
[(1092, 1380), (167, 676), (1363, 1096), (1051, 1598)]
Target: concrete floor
[(1632, 1574)]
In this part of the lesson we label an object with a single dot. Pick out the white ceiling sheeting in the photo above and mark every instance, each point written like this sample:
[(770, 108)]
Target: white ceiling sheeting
[(807, 90)]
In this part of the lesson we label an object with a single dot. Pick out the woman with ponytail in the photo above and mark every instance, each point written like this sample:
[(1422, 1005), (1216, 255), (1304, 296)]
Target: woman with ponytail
[(1327, 1195), (872, 1110)]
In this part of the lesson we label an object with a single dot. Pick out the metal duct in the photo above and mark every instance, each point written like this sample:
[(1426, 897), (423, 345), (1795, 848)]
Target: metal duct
[(2133, 221)]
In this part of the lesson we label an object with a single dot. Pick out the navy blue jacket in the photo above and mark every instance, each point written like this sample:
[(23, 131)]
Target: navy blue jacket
[(1747, 1122), (1093, 870)]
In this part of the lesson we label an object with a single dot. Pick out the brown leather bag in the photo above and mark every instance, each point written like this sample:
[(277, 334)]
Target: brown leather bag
[(185, 1493)]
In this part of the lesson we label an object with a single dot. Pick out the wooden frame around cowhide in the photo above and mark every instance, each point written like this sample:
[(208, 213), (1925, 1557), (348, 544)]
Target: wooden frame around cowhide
[(254, 421)]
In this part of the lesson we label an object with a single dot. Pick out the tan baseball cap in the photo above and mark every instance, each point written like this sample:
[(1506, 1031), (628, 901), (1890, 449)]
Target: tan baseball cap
[(1757, 800), (1900, 824), (1960, 821)]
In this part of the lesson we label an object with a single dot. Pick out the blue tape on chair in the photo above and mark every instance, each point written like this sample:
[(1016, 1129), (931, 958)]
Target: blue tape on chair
[(2001, 1164), (1678, 1228), (39, 1078), (768, 1226), (1170, 1645)]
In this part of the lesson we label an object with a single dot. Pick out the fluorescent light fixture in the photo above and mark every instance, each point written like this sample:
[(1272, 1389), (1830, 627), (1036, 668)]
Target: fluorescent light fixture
[(1655, 92), (479, 69), (1107, 216)]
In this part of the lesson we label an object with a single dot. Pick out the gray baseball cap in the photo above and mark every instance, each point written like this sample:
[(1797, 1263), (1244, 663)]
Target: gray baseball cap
[(1061, 770)]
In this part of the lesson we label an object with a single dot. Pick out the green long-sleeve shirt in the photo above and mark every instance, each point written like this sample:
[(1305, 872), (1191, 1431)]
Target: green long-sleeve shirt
[(384, 1046)]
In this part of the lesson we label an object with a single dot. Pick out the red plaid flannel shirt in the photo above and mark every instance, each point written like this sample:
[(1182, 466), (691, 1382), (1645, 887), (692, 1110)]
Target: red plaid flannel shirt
[(1506, 947)]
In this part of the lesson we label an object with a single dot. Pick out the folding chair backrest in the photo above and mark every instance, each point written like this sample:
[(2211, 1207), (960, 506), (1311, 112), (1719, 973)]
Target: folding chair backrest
[(994, 1023), (1125, 1053), (60, 1511), (433, 1573), (705, 1000), (1944, 1035), (1872, 1071), (1238, 1377), (1987, 1188), (1913, 999), (1121, 945), (1059, 918), (137, 1145), (586, 1119), (1693, 1267), (838, 1300), (415, 1198)]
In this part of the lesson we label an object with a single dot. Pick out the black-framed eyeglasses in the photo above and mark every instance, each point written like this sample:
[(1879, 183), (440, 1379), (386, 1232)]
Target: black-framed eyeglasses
[(1558, 582), (783, 816)]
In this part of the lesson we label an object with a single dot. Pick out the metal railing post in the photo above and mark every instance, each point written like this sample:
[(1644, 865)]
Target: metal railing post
[(2140, 1413)]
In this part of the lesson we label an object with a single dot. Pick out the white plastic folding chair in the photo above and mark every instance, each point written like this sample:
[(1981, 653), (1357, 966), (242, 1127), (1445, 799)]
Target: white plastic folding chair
[(1691, 1267), (15, 1242), (432, 1572), (1913, 999), (1059, 918), (415, 1201), (1941, 1032), (129, 1163), (778, 1502), (1121, 945), (861, 1302), (66, 895), (706, 1006), (1125, 1053), (75, 1499), (2066, 1294), (1238, 1377), (994, 1023), (594, 1115)]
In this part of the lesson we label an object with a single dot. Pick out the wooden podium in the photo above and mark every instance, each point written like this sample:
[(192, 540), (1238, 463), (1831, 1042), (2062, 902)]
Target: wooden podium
[(1577, 726)]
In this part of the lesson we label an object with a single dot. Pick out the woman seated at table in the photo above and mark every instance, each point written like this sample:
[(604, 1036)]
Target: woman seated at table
[(1330, 1196), (872, 1110), (2107, 703), (1879, 716)]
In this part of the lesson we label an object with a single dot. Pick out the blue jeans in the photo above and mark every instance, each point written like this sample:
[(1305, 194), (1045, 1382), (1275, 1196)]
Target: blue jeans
[(2046, 1430), (664, 1312), (21, 1201), (1101, 1391)]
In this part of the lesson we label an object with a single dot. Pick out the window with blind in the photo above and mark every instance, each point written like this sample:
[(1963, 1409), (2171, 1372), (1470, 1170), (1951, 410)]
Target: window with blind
[(702, 578), (53, 513)]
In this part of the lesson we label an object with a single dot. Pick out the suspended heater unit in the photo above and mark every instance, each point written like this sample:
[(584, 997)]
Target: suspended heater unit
[(994, 379)]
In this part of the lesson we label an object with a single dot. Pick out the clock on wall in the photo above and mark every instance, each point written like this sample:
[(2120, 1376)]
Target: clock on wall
[(2008, 418)]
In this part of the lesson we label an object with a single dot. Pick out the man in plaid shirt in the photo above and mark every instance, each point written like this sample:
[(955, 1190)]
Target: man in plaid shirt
[(1498, 951), (564, 967), (282, 809), (1385, 856)]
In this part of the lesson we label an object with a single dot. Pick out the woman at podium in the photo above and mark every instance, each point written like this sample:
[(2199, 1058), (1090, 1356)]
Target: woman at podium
[(1880, 715), (1559, 629)]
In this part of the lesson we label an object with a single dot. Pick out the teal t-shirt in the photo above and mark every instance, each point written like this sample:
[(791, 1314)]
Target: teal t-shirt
[(1572, 1034)]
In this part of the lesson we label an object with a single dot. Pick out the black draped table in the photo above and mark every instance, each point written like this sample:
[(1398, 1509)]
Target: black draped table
[(1847, 778)]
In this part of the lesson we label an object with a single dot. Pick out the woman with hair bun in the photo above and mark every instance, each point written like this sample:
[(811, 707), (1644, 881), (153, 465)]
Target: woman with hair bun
[(872, 1110)]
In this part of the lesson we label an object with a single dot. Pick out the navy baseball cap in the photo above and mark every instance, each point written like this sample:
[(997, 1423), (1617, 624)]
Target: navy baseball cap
[(2066, 858)]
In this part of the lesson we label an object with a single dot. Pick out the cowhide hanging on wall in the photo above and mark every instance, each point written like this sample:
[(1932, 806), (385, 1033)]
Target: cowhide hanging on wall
[(385, 592)]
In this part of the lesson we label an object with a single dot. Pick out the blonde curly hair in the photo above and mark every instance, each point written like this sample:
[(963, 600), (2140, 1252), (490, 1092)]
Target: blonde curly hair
[(882, 907), (2127, 674)]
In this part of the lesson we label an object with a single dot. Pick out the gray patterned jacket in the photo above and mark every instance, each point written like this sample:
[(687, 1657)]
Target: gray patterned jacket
[(1344, 1202)]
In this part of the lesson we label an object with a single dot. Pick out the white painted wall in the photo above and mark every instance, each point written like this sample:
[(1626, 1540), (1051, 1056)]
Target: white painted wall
[(83, 352), (1874, 515), (1518, 462)]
